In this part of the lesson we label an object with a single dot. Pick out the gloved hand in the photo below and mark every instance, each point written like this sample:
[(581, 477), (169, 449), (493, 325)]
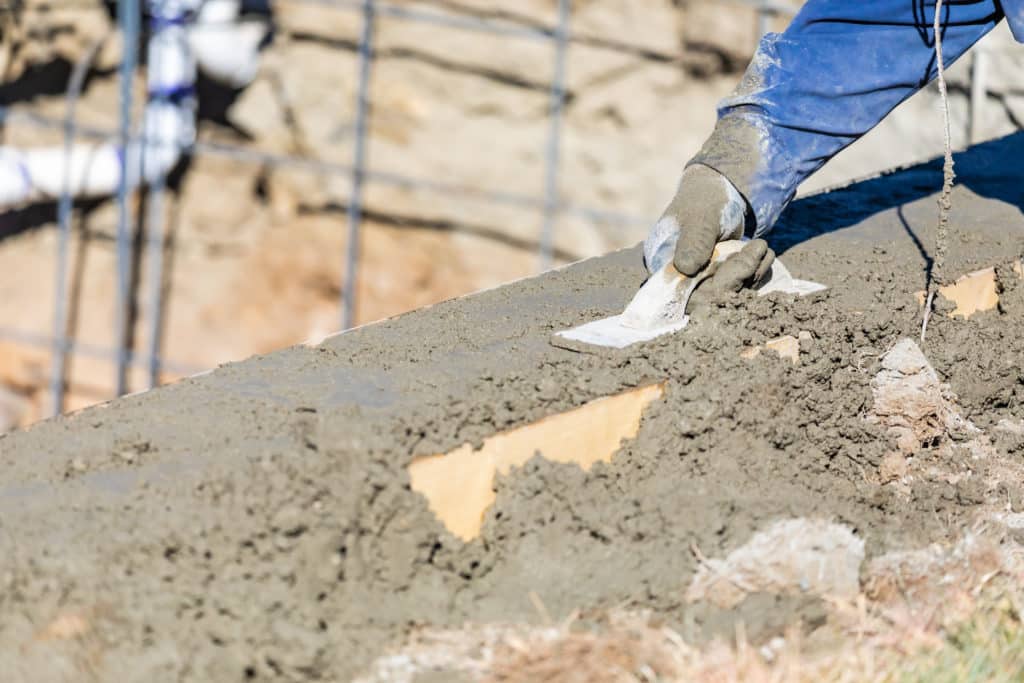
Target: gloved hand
[(706, 210)]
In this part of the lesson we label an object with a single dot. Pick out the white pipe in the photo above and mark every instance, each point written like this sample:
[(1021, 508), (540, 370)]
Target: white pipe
[(169, 120), (229, 54), (226, 49)]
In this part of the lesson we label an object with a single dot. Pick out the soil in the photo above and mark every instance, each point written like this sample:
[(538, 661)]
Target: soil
[(257, 522)]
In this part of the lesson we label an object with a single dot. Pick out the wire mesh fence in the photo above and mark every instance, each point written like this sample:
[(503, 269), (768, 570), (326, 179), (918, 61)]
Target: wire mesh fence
[(549, 204)]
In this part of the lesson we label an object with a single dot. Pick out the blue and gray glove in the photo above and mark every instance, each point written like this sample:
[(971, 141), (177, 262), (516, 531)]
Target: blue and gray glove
[(707, 209)]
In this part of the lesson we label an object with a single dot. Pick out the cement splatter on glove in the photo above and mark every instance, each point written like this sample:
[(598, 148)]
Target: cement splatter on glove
[(706, 210)]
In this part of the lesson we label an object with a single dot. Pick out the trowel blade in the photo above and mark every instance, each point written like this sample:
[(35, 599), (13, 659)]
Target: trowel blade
[(612, 333), (659, 306)]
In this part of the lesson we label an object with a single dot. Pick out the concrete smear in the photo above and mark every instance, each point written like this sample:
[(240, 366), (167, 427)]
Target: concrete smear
[(257, 522)]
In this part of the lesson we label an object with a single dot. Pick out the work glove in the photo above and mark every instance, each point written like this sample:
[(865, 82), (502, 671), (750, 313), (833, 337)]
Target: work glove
[(706, 210)]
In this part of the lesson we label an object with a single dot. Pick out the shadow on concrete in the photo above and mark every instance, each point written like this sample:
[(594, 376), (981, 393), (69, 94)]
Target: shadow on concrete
[(992, 170)]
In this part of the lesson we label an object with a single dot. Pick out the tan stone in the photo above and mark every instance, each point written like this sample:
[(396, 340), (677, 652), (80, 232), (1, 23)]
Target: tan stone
[(65, 627), (787, 347), (751, 352), (972, 293), (459, 485), (733, 34), (258, 111)]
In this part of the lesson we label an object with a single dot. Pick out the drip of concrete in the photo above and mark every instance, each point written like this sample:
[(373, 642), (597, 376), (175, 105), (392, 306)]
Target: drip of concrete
[(973, 293), (460, 485)]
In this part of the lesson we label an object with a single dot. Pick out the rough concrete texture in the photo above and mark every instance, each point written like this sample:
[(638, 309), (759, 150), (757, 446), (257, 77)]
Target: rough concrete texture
[(258, 521)]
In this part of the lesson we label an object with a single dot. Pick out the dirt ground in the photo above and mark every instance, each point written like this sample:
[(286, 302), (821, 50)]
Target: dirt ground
[(257, 522)]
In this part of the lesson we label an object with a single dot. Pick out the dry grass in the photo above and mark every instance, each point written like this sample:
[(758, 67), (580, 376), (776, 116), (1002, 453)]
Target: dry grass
[(939, 614), (987, 646)]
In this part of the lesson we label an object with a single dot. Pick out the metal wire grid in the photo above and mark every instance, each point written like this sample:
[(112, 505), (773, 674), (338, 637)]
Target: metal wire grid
[(550, 205)]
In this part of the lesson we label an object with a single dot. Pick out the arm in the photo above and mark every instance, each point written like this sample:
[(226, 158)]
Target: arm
[(834, 74), (809, 92)]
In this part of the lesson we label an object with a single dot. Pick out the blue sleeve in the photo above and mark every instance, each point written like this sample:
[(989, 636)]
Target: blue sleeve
[(837, 71)]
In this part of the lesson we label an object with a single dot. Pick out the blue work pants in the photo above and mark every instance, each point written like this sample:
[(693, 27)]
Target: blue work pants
[(839, 69)]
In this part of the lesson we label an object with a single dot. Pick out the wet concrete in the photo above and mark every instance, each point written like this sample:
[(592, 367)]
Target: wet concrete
[(257, 522)]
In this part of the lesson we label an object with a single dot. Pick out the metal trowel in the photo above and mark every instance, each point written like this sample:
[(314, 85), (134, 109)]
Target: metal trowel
[(659, 307)]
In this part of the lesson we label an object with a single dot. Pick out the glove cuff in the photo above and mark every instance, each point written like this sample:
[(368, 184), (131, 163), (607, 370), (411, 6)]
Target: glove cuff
[(741, 150)]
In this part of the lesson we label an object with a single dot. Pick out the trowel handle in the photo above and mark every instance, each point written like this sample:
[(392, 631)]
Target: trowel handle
[(724, 250)]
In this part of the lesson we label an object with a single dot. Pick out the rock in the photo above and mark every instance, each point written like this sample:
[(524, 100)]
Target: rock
[(1009, 436), (911, 576), (751, 352), (1013, 522), (258, 111), (791, 556), (1012, 427), (787, 347), (654, 21), (22, 369), (912, 403), (892, 468), (732, 35), (312, 19)]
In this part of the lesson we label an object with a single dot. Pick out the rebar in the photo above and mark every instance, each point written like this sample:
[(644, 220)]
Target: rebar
[(58, 365), (129, 18), (355, 204), (938, 271), (554, 146)]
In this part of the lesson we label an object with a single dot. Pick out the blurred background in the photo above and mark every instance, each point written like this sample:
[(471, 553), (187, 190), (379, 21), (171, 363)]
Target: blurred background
[(185, 183)]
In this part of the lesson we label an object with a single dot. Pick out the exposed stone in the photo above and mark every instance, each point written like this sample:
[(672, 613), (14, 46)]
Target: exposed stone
[(787, 347), (791, 556), (893, 467), (912, 403)]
